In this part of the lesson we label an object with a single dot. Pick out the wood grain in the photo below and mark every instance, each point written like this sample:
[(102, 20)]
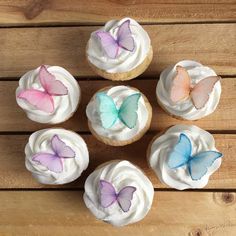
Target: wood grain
[(13, 118), (15, 175), (64, 213), (27, 48), (56, 12), (208, 35)]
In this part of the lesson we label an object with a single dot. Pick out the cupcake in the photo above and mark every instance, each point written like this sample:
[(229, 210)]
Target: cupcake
[(119, 115), (48, 94), (118, 193), (56, 156), (188, 90), (184, 157), (121, 50)]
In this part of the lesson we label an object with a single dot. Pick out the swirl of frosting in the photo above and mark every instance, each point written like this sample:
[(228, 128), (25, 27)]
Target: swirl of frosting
[(180, 178), (120, 174), (64, 106), (118, 131), (40, 141), (186, 109), (126, 60)]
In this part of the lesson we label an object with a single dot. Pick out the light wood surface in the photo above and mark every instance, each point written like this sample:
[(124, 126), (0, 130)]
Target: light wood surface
[(14, 119), (64, 213), (74, 12), (14, 174), (27, 48), (55, 32)]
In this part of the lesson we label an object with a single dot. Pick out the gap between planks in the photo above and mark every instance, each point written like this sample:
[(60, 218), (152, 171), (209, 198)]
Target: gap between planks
[(98, 78), (102, 24)]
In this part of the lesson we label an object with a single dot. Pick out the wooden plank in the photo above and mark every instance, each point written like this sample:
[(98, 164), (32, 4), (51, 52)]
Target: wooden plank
[(45, 12), (27, 48), (14, 119), (64, 213), (14, 174)]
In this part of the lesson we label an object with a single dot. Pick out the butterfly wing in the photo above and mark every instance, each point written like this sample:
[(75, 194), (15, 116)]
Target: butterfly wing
[(180, 88), (108, 43), (181, 152), (128, 110), (200, 93), (50, 84), (125, 196), (50, 161), (108, 193), (61, 149), (107, 110), (124, 36), (199, 163), (39, 99)]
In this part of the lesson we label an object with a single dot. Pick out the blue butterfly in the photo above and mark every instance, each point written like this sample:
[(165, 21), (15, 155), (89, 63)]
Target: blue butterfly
[(127, 113), (197, 164)]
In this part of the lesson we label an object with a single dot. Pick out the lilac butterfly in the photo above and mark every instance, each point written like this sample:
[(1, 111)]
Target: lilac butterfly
[(123, 40), (53, 161), (109, 195)]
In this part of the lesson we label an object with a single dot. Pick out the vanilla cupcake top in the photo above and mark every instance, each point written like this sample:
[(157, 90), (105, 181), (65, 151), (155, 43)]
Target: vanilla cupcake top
[(129, 45), (48, 94), (56, 156), (184, 157), (198, 100), (132, 193), (118, 113)]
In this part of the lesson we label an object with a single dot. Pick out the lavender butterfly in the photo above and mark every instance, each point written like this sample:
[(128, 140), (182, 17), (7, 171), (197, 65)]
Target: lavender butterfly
[(109, 195), (53, 161), (123, 40)]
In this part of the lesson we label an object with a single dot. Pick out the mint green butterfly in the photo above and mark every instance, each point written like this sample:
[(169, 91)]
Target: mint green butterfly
[(127, 113)]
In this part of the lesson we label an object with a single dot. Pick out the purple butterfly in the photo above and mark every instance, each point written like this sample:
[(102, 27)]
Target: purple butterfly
[(109, 195), (53, 161), (124, 40)]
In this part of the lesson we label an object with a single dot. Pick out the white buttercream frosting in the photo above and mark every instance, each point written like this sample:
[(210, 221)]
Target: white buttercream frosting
[(40, 141), (126, 60), (180, 178), (120, 174), (118, 131), (185, 108), (64, 106)]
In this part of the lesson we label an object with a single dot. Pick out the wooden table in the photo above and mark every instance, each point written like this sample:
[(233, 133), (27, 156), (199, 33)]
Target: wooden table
[(55, 33)]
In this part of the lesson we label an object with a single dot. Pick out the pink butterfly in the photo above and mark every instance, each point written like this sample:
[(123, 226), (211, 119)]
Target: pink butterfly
[(199, 93), (53, 161), (123, 40), (109, 195), (43, 100)]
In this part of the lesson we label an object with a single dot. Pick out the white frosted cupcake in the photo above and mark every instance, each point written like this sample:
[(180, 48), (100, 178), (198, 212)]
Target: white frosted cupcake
[(119, 115), (188, 90), (56, 156), (118, 193), (121, 50), (48, 94), (184, 157)]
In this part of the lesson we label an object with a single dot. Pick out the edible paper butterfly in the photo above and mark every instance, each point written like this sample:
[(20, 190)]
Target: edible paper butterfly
[(127, 113), (199, 93), (123, 40), (197, 164), (43, 100), (53, 161), (109, 195)]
